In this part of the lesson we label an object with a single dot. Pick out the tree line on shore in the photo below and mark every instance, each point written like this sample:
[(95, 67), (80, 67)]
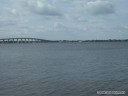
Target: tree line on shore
[(64, 41)]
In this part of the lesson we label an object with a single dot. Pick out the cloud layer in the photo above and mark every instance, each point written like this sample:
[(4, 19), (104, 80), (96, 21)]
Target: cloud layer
[(64, 19)]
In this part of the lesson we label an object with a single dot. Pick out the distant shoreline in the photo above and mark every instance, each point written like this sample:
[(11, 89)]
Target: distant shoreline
[(36, 40)]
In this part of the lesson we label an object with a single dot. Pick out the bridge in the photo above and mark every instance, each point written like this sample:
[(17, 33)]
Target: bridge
[(23, 40)]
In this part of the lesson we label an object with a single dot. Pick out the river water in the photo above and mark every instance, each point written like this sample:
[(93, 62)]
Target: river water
[(63, 69)]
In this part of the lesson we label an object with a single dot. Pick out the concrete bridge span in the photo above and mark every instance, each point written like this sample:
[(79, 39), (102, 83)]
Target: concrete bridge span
[(23, 40)]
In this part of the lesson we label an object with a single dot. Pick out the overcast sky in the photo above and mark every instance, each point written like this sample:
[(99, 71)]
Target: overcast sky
[(64, 19)]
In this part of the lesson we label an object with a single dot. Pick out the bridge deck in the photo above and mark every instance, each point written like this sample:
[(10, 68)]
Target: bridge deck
[(23, 40)]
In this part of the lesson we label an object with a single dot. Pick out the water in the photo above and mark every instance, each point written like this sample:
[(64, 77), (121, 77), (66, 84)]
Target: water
[(63, 69)]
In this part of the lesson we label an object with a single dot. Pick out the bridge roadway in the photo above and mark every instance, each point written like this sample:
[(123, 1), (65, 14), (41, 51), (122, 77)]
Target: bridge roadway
[(23, 40)]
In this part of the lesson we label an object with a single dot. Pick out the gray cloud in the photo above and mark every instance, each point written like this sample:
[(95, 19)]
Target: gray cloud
[(6, 23), (122, 28), (43, 8), (100, 7)]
